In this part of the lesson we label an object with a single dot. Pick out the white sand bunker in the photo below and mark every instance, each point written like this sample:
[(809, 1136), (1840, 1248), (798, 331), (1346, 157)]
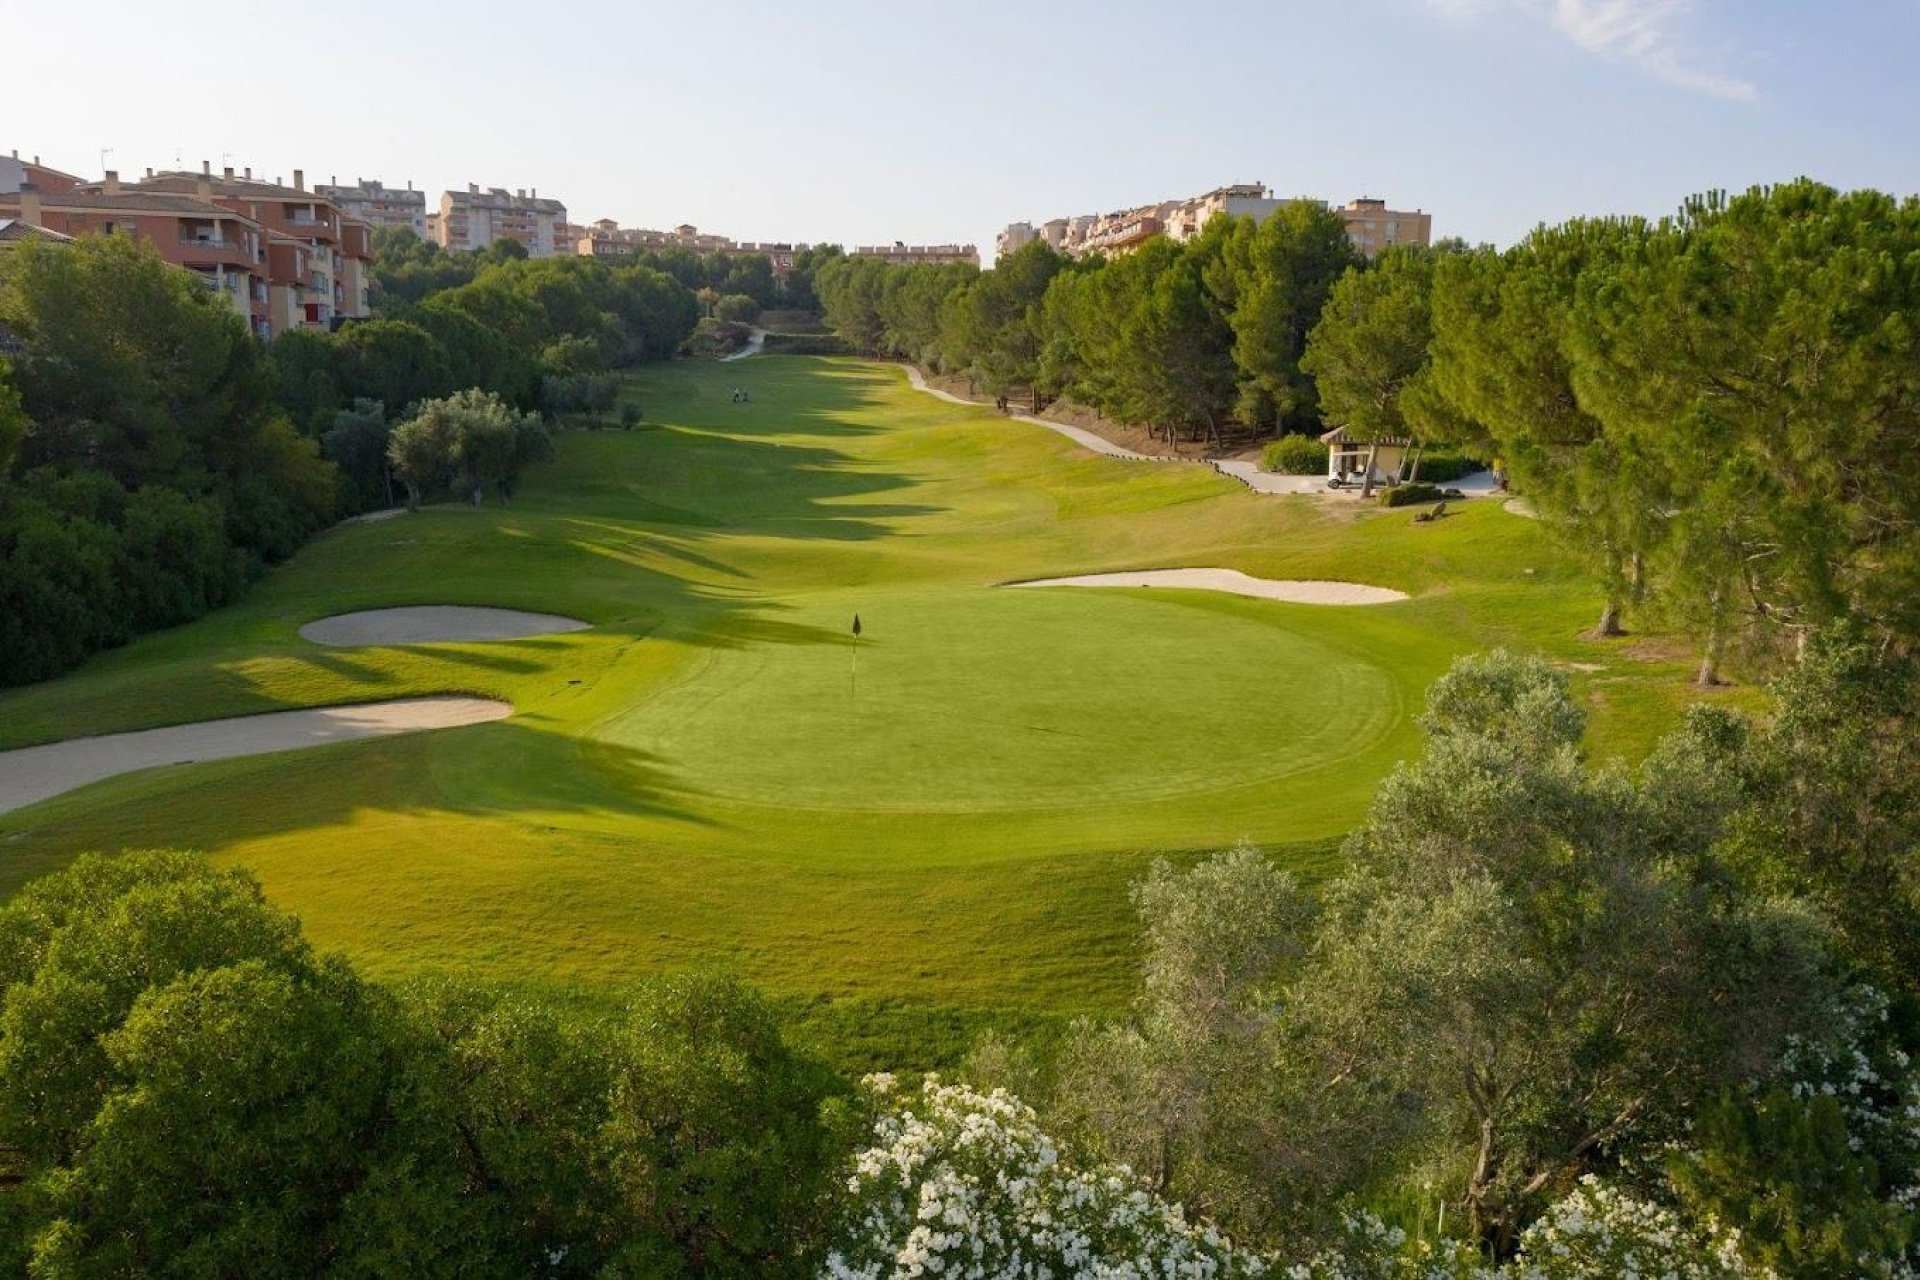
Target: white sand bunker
[(434, 624), (1232, 581), (33, 774)]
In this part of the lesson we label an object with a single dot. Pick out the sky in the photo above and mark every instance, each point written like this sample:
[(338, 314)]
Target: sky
[(857, 122)]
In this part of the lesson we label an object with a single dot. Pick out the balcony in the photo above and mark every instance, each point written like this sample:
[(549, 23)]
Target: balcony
[(198, 250), (305, 223)]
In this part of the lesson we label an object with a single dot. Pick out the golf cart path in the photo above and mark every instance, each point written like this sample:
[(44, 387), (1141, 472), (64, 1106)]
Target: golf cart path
[(755, 340), (434, 624), (1075, 434), (1293, 591), (33, 774)]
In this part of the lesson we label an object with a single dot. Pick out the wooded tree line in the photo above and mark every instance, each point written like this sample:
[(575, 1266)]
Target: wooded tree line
[(147, 473), (408, 270), (1720, 409), (1178, 337), (547, 336)]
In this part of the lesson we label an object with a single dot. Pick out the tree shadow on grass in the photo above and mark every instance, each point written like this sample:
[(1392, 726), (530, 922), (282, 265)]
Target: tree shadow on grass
[(510, 769)]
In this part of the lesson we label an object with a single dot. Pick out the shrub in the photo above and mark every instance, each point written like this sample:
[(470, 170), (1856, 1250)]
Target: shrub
[(1408, 495), (1441, 465), (629, 416), (1294, 456), (737, 308), (957, 1182)]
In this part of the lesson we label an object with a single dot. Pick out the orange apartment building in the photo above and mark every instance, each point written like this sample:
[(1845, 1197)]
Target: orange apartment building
[(326, 281), (282, 256)]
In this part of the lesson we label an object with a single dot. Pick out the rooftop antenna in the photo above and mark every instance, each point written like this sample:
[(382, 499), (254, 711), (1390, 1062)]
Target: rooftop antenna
[(104, 153)]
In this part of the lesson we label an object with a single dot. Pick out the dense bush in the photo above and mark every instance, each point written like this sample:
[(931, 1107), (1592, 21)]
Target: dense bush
[(1407, 495), (738, 308), (1294, 456), (187, 1088), (1441, 466), (464, 443)]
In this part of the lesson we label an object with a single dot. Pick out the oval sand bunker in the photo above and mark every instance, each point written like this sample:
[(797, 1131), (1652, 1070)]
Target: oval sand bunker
[(1232, 581), (434, 624), (32, 774)]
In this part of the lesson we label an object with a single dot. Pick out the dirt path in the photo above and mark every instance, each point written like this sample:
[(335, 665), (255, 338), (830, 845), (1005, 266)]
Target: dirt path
[(1234, 582), (33, 774), (755, 341)]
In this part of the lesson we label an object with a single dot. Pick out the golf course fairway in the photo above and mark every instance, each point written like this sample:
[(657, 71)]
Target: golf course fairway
[(906, 837)]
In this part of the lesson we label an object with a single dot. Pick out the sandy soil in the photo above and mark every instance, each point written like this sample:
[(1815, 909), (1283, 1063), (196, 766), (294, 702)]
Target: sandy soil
[(1232, 581), (1521, 507), (434, 624), (32, 774)]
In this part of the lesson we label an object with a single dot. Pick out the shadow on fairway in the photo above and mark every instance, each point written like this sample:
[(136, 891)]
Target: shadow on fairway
[(511, 769)]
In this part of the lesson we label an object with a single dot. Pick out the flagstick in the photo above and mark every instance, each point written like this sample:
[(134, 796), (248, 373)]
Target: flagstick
[(853, 676)]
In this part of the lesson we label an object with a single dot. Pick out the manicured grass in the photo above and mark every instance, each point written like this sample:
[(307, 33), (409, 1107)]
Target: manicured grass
[(905, 856)]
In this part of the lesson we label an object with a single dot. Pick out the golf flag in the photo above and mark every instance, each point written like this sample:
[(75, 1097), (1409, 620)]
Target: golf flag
[(853, 670)]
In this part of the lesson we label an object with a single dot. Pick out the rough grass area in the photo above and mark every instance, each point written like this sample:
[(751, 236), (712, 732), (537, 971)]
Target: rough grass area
[(904, 853)]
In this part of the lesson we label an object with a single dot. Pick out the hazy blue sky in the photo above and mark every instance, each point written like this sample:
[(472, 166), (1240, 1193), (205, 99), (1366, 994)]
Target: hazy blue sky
[(856, 121)]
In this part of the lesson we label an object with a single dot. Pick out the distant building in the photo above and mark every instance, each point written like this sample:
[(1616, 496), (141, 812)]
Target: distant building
[(1370, 224), (908, 255), (608, 239), (1016, 237), (378, 205), (474, 219), (1373, 227)]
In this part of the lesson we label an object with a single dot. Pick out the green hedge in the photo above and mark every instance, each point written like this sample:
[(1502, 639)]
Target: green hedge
[(1408, 495), (1442, 465), (1294, 456)]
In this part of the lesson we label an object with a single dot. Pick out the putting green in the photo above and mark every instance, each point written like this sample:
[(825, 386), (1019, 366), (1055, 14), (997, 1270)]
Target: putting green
[(693, 780), (999, 700)]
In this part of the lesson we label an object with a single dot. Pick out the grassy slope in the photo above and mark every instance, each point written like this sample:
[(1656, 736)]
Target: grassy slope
[(694, 780)]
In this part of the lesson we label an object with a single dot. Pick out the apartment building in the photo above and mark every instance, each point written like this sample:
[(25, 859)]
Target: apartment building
[(318, 285), (1373, 227), (1370, 224), (608, 239), (1016, 236), (378, 205), (899, 254), (226, 249), (473, 219)]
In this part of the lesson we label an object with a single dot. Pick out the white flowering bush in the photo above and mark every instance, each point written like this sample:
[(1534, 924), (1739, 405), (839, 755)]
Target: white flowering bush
[(1600, 1233), (963, 1184), (1872, 1080)]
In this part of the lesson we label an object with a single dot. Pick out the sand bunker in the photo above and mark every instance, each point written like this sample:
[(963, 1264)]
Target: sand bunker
[(1232, 581), (434, 624), (33, 774)]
